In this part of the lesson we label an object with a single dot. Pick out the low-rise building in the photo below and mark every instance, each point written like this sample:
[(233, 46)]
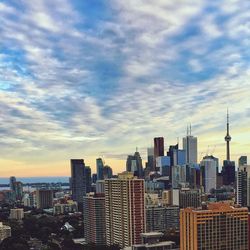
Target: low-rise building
[(5, 231)]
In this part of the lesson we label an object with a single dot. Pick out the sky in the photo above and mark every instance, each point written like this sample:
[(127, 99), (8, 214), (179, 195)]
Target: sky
[(98, 78)]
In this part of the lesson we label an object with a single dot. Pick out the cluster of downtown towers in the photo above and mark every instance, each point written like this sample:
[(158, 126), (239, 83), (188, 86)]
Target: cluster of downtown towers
[(123, 195)]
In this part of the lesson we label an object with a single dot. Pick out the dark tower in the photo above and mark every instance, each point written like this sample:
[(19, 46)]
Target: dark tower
[(228, 138)]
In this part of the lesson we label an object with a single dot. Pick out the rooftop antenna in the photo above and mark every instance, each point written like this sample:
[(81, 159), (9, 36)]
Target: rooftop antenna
[(190, 129), (207, 150), (187, 130), (136, 149)]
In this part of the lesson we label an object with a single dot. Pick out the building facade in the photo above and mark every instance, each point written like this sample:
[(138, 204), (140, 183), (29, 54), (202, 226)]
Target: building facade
[(44, 198), (217, 226), (94, 219), (125, 210), (78, 180)]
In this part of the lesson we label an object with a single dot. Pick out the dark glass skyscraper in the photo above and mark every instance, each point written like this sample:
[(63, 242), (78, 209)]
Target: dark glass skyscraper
[(158, 146), (99, 168), (78, 180), (134, 164)]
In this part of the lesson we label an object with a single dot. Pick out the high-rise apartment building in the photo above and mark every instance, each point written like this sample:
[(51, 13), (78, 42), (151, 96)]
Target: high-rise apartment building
[(78, 180), (228, 172), (94, 218), (12, 180), (190, 147), (209, 166), (99, 168), (44, 198), (125, 210), (243, 186), (217, 226), (107, 172)]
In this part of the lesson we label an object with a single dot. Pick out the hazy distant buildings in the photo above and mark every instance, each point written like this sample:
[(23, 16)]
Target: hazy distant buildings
[(78, 180), (125, 210), (216, 226), (209, 166), (94, 219), (107, 172), (12, 181), (44, 198), (190, 147)]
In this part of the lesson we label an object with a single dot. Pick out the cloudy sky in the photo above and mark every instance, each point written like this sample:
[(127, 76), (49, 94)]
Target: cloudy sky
[(83, 79)]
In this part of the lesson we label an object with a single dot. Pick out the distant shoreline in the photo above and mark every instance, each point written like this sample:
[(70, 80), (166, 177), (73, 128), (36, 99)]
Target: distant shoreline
[(4, 182)]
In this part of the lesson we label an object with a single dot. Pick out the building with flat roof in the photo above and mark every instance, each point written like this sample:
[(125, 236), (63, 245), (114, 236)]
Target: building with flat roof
[(214, 226), (125, 210)]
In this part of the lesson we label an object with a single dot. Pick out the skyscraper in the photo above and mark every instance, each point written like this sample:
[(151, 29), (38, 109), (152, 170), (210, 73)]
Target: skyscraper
[(87, 173), (107, 172), (158, 146), (134, 164), (243, 186), (125, 210), (190, 147), (78, 180), (209, 165), (99, 168), (242, 160), (12, 180), (217, 226), (94, 219)]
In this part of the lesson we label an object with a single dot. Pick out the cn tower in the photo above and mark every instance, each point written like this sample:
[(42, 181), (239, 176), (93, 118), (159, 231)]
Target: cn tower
[(228, 138)]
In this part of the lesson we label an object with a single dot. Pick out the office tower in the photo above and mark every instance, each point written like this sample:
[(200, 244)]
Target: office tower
[(195, 176), (87, 173), (242, 160), (190, 147), (177, 156), (209, 166), (163, 164), (99, 168), (94, 178), (100, 187), (150, 162), (5, 231), (217, 226), (134, 164), (162, 218), (16, 214), (158, 146), (243, 186), (78, 180), (12, 181), (94, 219), (186, 197), (44, 198), (125, 210), (107, 172), (179, 176), (228, 172)]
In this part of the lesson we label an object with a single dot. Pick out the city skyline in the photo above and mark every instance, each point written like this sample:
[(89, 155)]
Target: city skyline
[(82, 80)]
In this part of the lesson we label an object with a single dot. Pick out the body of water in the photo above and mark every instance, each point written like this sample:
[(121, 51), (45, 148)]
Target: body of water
[(62, 179)]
